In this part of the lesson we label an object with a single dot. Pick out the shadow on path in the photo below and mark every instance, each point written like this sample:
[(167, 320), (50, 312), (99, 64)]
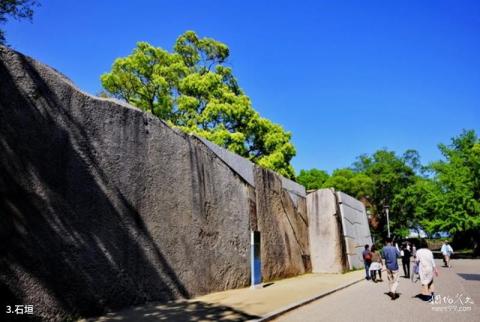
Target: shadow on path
[(177, 311), (469, 277)]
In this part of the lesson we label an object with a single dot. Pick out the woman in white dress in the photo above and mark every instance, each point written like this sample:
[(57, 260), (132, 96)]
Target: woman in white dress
[(426, 269)]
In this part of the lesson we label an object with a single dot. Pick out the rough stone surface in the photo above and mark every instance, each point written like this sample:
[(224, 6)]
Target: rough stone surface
[(104, 206), (325, 230), (278, 211), (355, 228), (246, 169), (240, 165), (283, 226), (338, 231)]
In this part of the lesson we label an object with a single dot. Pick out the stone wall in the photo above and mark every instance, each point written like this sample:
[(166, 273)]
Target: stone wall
[(278, 212), (355, 228), (327, 247), (338, 231), (283, 225), (104, 206)]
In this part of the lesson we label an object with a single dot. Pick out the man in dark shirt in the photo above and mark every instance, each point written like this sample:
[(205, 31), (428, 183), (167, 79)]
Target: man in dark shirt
[(406, 261), (390, 254), (367, 260)]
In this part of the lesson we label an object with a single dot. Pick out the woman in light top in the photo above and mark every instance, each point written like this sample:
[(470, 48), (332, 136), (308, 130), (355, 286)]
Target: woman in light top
[(447, 252), (426, 269), (376, 265)]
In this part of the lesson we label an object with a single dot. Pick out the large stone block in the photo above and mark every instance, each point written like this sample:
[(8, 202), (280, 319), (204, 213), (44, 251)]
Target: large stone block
[(325, 232), (355, 228), (338, 230), (283, 225)]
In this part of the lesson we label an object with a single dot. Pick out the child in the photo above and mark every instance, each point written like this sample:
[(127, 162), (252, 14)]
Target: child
[(376, 265)]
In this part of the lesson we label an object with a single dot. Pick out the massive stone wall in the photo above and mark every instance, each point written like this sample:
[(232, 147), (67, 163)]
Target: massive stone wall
[(278, 212), (104, 206), (338, 231), (355, 228), (283, 224), (325, 232)]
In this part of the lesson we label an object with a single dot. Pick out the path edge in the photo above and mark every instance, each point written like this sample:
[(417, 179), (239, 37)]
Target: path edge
[(291, 307)]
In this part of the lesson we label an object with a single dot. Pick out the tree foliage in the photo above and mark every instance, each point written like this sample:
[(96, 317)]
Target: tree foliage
[(443, 196), (17, 9), (377, 179), (312, 179), (356, 184), (193, 89), (391, 174), (415, 203), (458, 180), (448, 200)]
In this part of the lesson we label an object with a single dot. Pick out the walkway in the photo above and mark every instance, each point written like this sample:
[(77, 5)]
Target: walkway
[(241, 304)]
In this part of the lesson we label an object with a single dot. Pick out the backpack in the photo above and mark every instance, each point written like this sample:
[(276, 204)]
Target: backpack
[(368, 257)]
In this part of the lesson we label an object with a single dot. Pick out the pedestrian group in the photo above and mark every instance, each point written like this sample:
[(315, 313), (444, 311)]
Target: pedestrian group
[(386, 260)]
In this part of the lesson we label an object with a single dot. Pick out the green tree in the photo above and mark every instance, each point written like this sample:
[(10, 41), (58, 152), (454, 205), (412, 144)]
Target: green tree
[(17, 9), (147, 79), (441, 197), (448, 199), (417, 204), (458, 179), (312, 179), (192, 89), (390, 175), (356, 184)]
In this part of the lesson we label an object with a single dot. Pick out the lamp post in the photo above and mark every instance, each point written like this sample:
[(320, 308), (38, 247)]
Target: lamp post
[(388, 220)]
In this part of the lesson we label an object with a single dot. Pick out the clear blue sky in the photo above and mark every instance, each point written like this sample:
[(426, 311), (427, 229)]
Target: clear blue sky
[(345, 77)]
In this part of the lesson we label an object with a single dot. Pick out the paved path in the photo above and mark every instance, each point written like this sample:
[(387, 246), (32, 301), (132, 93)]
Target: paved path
[(366, 301), (237, 305)]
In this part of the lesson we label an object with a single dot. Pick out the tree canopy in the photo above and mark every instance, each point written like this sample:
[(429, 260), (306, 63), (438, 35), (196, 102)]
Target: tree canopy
[(312, 179), (390, 174), (457, 179), (354, 183), (193, 89), (17, 9), (443, 196)]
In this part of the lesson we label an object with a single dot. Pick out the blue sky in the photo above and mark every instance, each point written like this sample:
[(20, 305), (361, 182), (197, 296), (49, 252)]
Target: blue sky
[(345, 77)]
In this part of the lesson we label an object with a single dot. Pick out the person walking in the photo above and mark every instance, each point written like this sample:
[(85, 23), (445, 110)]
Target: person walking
[(367, 260), (406, 261), (426, 270), (391, 254), (376, 265), (447, 252)]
